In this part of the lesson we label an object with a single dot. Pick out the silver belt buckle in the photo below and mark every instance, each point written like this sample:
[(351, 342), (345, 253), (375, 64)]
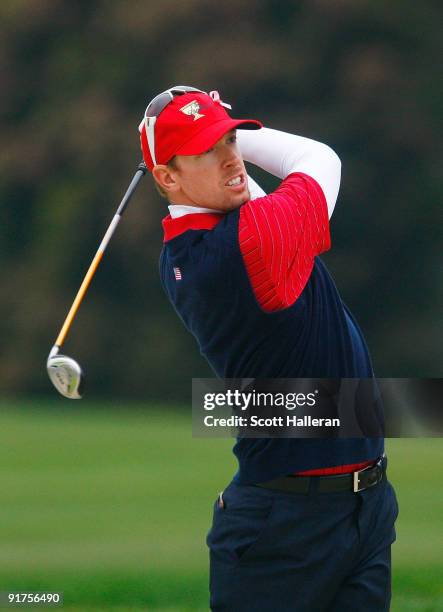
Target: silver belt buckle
[(356, 482), (379, 464), (357, 479)]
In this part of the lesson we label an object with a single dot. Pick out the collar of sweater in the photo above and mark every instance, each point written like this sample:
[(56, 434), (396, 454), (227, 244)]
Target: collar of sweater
[(180, 210)]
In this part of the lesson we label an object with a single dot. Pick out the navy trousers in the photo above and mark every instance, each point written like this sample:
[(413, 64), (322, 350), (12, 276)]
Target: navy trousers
[(290, 552)]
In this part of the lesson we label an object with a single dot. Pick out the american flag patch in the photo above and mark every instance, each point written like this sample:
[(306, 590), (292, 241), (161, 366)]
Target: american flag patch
[(177, 274)]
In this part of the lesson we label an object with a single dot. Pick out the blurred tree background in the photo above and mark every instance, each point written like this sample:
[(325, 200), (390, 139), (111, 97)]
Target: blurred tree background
[(75, 78)]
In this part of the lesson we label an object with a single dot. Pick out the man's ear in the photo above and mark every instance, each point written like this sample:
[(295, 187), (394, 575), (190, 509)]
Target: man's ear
[(166, 177)]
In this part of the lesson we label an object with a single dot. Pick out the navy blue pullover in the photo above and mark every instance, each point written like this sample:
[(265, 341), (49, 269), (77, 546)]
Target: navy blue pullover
[(315, 337)]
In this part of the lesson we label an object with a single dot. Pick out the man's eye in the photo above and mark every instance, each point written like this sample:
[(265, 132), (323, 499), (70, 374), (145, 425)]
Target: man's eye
[(233, 138)]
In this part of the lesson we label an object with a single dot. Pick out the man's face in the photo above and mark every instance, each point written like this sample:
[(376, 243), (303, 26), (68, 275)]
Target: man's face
[(215, 179)]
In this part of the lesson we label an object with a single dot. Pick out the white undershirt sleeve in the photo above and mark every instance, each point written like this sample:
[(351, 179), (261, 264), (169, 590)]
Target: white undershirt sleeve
[(254, 189), (281, 154)]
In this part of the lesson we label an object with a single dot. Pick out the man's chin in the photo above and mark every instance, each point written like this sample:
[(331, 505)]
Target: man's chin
[(239, 200)]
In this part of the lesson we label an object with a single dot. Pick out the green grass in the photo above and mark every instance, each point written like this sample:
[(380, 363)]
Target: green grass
[(112, 504)]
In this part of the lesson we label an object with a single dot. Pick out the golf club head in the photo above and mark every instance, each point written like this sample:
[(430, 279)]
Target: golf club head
[(66, 375)]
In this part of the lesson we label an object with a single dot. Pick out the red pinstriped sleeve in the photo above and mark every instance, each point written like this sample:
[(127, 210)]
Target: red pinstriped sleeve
[(279, 236)]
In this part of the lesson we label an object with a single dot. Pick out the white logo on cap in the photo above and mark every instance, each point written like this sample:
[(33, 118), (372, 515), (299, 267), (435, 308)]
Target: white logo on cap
[(192, 109)]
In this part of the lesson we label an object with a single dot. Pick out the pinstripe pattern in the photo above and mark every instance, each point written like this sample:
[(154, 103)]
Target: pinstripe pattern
[(279, 236)]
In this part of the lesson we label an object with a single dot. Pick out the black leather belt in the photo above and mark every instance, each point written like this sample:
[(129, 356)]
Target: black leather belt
[(355, 481)]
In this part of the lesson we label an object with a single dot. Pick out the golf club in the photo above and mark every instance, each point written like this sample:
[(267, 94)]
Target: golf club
[(64, 372)]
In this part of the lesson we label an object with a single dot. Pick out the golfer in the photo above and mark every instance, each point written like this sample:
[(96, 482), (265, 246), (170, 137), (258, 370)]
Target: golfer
[(306, 525)]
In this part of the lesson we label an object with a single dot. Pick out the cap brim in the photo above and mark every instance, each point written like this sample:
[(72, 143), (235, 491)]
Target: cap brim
[(208, 136)]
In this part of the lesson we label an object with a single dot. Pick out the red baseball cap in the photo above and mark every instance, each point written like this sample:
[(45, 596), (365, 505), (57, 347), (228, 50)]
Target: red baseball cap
[(189, 125)]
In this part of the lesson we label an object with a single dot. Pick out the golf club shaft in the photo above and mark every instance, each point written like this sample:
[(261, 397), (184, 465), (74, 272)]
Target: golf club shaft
[(98, 257)]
